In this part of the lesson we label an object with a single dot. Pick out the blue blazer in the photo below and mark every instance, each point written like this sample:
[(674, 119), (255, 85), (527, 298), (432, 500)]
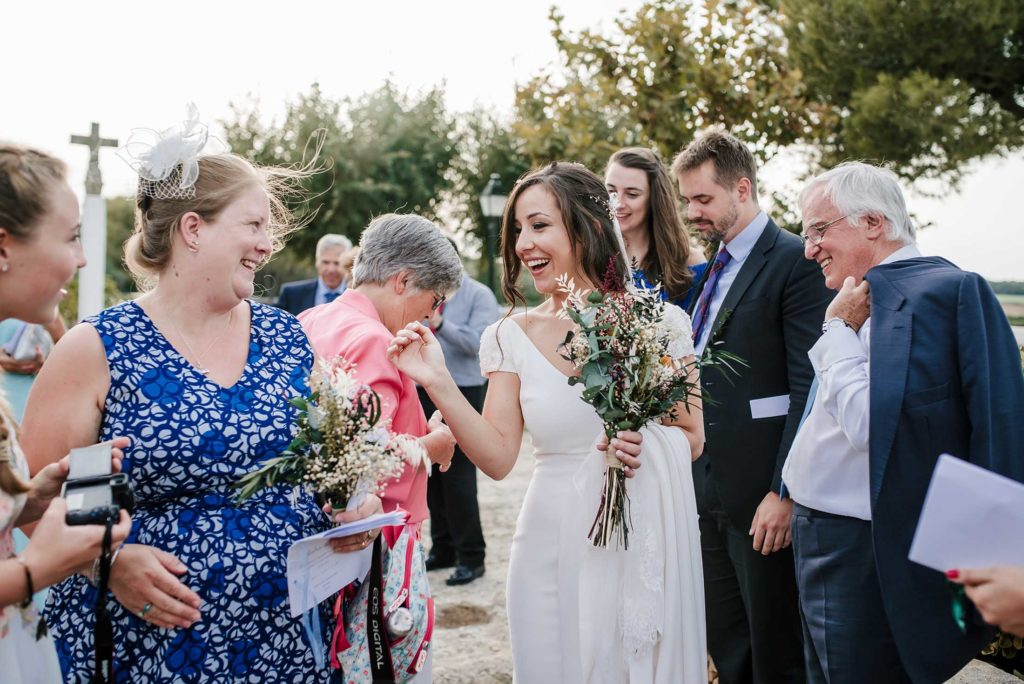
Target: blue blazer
[(298, 296), (945, 377)]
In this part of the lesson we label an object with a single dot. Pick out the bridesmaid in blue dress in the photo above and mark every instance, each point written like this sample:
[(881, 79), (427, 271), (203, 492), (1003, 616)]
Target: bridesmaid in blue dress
[(199, 377), (648, 214)]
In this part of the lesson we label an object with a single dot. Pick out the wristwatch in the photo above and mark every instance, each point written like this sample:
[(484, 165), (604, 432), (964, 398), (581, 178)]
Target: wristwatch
[(834, 321)]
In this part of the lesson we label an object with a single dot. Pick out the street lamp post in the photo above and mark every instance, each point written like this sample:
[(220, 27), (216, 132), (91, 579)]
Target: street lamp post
[(492, 203)]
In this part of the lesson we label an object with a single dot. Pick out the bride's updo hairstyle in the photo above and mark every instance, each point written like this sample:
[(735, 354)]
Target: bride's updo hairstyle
[(221, 180), (583, 200)]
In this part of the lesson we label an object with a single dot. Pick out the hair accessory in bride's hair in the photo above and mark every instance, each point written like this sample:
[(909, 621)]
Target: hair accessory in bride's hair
[(167, 161), (607, 203)]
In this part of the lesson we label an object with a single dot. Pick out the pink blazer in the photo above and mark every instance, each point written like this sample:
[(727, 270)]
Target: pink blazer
[(351, 328)]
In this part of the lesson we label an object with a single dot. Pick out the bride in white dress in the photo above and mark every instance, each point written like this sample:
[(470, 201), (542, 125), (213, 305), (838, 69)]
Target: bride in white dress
[(576, 613)]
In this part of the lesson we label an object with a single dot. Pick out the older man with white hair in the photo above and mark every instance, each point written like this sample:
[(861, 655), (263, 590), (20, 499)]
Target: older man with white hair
[(933, 370), (330, 282)]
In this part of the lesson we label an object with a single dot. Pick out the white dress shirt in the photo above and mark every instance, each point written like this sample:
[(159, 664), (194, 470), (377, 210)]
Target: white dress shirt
[(739, 249), (827, 468)]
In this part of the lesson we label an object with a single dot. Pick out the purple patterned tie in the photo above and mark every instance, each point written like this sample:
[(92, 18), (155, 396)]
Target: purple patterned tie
[(700, 313)]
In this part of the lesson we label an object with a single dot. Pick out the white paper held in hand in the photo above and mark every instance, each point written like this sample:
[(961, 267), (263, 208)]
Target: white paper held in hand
[(971, 518), (315, 571)]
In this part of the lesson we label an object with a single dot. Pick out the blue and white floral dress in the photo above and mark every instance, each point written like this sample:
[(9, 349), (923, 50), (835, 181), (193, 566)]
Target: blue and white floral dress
[(191, 441)]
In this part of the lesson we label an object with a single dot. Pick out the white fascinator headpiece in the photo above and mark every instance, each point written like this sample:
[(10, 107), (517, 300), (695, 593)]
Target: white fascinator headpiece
[(167, 161)]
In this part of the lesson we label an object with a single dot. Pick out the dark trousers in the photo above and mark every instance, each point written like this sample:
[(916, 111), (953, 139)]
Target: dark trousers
[(846, 632), (751, 605), (455, 531)]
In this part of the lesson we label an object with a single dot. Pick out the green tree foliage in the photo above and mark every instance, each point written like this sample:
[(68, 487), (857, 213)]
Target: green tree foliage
[(120, 224), (384, 151), (487, 144), (924, 85), (667, 71)]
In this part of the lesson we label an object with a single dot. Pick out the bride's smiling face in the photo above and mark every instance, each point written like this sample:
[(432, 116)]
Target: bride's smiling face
[(542, 240)]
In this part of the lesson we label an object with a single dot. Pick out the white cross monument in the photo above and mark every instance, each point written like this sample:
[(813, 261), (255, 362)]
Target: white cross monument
[(92, 278)]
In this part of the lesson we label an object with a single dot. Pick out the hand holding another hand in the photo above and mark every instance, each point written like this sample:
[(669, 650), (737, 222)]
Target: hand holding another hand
[(417, 353)]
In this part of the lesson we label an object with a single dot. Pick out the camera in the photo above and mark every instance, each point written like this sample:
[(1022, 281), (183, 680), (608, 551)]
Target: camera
[(93, 493)]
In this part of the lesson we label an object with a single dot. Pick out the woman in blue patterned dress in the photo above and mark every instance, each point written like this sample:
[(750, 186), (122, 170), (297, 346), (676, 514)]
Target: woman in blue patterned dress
[(199, 377), (648, 215)]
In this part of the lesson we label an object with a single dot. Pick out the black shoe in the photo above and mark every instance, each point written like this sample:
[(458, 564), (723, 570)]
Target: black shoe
[(435, 563), (464, 574)]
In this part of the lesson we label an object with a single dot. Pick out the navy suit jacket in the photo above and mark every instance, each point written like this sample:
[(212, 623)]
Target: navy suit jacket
[(770, 318), (298, 296), (945, 377)]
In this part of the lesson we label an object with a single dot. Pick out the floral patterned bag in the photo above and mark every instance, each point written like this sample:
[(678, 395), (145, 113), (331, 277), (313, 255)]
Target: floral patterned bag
[(384, 624)]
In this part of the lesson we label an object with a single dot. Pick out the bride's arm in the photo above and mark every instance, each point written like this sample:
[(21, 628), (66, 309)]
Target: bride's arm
[(690, 414), (491, 441)]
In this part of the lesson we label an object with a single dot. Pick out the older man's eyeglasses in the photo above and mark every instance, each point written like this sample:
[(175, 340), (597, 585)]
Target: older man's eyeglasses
[(438, 301), (815, 234)]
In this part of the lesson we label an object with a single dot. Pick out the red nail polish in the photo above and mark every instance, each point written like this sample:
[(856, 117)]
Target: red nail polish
[(952, 574)]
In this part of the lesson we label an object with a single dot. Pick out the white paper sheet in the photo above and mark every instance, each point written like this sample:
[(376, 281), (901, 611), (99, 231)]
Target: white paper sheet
[(971, 518), (769, 407), (315, 571)]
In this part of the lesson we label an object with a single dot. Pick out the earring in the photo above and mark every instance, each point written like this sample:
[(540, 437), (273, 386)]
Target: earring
[(4, 268), (193, 247)]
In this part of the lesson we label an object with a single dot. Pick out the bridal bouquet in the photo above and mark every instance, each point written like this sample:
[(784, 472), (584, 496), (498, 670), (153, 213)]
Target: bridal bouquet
[(627, 345), (339, 449)]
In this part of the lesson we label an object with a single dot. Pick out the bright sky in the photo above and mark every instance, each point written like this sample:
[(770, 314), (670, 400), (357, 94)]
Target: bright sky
[(136, 64)]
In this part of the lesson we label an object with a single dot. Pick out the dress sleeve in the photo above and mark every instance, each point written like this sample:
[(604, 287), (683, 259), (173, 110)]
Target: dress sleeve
[(495, 350), (680, 332)]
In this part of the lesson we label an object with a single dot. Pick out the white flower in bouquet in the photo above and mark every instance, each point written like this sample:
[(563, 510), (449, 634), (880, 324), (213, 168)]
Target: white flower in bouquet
[(341, 446)]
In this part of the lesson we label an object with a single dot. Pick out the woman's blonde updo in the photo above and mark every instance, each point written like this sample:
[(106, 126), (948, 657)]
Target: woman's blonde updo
[(222, 179), (28, 179)]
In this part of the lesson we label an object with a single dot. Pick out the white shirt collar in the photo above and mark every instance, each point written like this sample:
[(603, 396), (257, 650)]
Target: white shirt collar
[(741, 245), (905, 252)]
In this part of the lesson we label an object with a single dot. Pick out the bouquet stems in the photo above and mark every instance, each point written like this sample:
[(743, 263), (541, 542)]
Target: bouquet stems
[(612, 521)]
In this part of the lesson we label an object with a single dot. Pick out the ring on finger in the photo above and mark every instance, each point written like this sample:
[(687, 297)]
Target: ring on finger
[(145, 609)]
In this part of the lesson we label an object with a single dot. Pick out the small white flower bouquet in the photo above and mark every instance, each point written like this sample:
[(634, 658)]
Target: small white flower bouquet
[(339, 449)]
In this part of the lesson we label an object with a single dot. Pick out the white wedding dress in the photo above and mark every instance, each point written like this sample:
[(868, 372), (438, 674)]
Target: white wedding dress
[(579, 613)]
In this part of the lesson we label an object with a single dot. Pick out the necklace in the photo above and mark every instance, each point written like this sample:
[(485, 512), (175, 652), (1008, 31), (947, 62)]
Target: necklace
[(199, 360)]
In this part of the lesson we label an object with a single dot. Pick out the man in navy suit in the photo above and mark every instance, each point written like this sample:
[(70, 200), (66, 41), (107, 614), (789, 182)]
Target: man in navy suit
[(762, 301), (330, 282), (921, 352)]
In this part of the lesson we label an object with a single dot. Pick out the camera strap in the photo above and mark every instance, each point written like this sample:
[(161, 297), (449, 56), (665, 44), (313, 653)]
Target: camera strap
[(378, 641), (103, 636)]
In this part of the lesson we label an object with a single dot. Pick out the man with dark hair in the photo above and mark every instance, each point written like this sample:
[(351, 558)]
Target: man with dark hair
[(763, 302)]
